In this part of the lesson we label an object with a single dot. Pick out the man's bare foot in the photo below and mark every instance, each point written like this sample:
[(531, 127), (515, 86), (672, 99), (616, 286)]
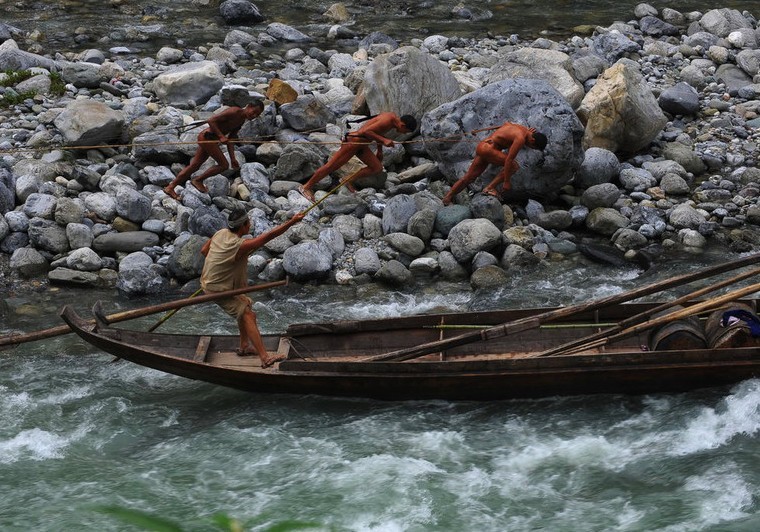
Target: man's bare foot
[(306, 193), (270, 361), (247, 352), (490, 192), (171, 193), (199, 185), (446, 200)]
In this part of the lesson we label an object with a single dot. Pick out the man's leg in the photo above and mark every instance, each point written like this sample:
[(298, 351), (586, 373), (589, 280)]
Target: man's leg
[(215, 152), (338, 159), (254, 337), (477, 167), (198, 159), (495, 157), (503, 177)]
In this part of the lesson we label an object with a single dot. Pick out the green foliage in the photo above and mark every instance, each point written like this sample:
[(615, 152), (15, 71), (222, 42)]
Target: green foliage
[(13, 77), (14, 98), (141, 520), (57, 85)]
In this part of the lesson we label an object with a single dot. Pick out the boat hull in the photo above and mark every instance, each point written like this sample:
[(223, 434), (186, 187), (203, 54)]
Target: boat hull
[(331, 360)]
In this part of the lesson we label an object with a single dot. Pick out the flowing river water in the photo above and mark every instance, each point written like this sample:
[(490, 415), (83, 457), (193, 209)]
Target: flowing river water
[(81, 434), (83, 438)]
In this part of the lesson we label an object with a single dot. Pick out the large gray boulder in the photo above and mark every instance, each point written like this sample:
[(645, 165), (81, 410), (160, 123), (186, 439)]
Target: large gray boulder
[(7, 190), (530, 102), (723, 21), (408, 81), (12, 58), (86, 122), (620, 111), (535, 63), (308, 260), (196, 82)]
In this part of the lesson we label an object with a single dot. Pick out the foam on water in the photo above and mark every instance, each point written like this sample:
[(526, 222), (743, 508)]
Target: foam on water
[(738, 414), (32, 444)]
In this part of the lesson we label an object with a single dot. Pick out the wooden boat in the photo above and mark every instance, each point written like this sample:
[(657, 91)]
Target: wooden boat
[(427, 361)]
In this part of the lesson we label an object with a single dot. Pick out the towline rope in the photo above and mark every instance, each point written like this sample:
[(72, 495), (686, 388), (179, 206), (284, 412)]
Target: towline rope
[(245, 140)]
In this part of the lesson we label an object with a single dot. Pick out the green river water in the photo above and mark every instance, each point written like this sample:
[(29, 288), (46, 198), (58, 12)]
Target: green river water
[(81, 434)]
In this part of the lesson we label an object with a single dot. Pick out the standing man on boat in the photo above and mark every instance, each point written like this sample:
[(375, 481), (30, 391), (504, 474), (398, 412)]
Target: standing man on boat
[(226, 268), (489, 151), (357, 143), (222, 129)]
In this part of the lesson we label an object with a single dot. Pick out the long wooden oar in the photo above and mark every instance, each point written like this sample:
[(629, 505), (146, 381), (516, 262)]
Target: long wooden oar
[(12, 339), (171, 313), (573, 346), (531, 322), (697, 308)]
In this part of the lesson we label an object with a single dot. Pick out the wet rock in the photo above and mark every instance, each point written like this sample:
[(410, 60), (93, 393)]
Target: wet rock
[(240, 12)]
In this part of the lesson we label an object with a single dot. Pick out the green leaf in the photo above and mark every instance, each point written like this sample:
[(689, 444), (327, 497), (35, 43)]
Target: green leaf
[(140, 519)]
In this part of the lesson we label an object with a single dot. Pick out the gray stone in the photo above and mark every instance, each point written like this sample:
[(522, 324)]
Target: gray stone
[(48, 236), (139, 275), (394, 273), (599, 166), (79, 235), (680, 99), (307, 113), (84, 259), (28, 262), (196, 82), (398, 211), (125, 242), (309, 260), (238, 12), (517, 257), (489, 277), (406, 244), (89, 122), (553, 66), (186, 261), (366, 261), (471, 236), (604, 195), (605, 221)]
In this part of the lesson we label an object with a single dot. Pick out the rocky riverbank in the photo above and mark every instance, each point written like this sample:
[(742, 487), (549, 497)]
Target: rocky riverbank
[(653, 149)]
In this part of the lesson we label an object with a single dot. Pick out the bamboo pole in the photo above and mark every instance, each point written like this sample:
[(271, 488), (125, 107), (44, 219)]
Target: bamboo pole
[(523, 324), (12, 340), (674, 316), (643, 316)]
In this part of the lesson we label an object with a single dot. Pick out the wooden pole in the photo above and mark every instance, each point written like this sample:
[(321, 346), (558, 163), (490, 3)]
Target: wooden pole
[(698, 308), (171, 313), (535, 321), (11, 339), (643, 316)]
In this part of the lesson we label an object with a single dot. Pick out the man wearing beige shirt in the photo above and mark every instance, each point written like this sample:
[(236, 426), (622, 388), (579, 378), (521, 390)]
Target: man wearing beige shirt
[(226, 268)]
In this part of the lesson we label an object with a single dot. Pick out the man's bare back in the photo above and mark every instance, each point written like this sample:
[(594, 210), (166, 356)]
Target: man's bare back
[(357, 143), (489, 151)]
